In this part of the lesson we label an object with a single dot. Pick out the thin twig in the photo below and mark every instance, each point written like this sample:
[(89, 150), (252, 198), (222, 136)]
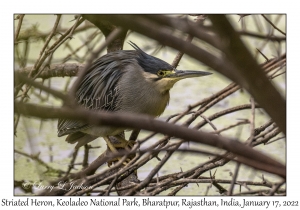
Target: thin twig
[(19, 27), (273, 25), (209, 122), (53, 32), (231, 126), (252, 122), (262, 54)]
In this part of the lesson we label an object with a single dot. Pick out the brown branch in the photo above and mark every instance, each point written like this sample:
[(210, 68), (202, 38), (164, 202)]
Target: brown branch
[(273, 25), (71, 164), (262, 54), (161, 144), (192, 28), (20, 17), (67, 35), (35, 70), (153, 171), (258, 86), (265, 37), (205, 107), (53, 32), (172, 177), (56, 70), (231, 126), (217, 161), (209, 122), (257, 192), (156, 188), (34, 33), (19, 78), (179, 54), (250, 74), (146, 122), (252, 122), (107, 28)]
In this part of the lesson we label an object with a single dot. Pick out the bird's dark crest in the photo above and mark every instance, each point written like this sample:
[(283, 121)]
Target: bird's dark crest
[(150, 63), (141, 52)]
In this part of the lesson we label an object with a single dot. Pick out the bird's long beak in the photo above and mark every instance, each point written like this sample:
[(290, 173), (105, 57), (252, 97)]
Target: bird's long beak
[(180, 74)]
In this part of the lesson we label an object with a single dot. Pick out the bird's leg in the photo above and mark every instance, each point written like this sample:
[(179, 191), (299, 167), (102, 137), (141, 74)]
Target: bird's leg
[(123, 142), (113, 149), (112, 146)]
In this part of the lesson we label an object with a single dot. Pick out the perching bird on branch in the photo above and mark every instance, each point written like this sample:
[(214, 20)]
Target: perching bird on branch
[(122, 81)]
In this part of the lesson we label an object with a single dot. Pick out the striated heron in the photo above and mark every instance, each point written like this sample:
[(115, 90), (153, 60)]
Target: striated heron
[(122, 81)]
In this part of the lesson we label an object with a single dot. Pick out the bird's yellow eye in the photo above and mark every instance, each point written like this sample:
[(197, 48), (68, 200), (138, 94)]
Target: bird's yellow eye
[(161, 73)]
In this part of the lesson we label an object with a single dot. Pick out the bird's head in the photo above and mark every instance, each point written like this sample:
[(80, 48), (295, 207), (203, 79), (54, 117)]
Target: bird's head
[(162, 74)]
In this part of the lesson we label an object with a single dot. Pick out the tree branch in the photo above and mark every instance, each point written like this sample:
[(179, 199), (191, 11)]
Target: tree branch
[(148, 123)]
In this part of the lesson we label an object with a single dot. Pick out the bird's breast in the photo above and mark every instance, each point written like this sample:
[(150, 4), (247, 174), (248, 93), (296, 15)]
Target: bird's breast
[(145, 101)]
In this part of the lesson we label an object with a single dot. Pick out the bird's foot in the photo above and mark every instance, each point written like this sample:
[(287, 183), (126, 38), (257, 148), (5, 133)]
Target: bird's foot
[(118, 145), (124, 144), (115, 160)]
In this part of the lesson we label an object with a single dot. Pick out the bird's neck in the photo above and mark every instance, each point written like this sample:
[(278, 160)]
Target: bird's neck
[(164, 85)]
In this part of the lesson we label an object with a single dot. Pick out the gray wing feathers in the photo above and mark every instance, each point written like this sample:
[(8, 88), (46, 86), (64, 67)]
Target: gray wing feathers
[(98, 90)]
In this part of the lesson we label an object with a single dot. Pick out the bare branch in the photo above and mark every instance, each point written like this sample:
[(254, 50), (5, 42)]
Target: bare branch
[(20, 17), (273, 25), (145, 122)]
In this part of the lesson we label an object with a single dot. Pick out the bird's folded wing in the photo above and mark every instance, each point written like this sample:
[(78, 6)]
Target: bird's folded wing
[(98, 89)]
